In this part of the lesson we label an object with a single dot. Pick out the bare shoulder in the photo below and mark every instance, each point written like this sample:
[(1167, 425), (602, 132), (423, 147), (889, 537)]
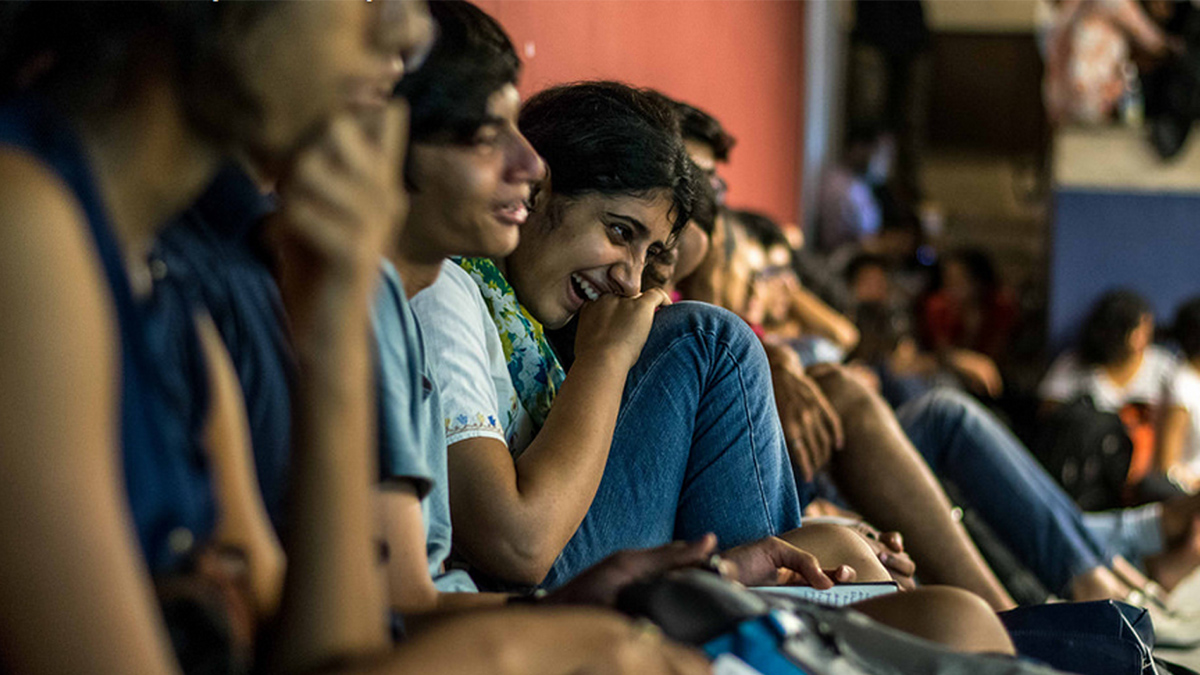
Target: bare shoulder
[(58, 334)]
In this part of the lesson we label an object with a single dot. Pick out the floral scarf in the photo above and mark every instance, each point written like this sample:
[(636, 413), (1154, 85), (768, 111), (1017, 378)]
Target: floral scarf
[(535, 370)]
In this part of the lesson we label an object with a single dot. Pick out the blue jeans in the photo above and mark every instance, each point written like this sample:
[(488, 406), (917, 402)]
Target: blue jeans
[(969, 448), (698, 446)]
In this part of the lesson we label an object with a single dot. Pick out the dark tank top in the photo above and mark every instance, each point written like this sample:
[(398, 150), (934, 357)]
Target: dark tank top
[(166, 475)]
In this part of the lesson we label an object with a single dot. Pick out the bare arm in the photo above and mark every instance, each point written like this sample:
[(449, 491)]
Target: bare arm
[(821, 319), (552, 641), (410, 587), (513, 519), (75, 590), (242, 521), (1172, 432)]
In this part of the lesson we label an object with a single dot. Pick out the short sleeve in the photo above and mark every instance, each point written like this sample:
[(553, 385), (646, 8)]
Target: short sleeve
[(1166, 375), (1064, 381), (403, 443), (456, 326)]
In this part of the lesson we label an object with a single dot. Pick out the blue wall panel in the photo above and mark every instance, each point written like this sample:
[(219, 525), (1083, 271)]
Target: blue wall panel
[(1101, 240)]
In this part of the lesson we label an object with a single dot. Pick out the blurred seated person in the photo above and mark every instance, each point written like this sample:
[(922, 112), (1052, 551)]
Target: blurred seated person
[(969, 307), (848, 212), (1115, 364), (774, 301), (708, 144)]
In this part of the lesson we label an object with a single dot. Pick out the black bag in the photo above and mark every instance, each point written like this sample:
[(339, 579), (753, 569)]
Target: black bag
[(1088, 452), (1105, 637)]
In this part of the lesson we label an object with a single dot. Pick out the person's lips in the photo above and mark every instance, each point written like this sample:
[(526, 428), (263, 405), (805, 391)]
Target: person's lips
[(512, 213)]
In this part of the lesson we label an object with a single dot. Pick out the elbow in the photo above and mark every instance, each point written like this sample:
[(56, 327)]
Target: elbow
[(414, 598), (529, 564), (525, 562)]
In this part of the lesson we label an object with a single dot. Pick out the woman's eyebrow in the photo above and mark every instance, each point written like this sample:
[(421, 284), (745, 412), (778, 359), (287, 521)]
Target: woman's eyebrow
[(636, 224)]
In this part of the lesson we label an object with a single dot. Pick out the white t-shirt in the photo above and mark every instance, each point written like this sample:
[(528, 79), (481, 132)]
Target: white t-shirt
[(478, 396), (1152, 385), (1187, 395)]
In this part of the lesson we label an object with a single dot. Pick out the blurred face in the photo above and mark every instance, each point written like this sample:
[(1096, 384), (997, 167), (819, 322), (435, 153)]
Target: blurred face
[(471, 199), (304, 62), (677, 263), (747, 259), (773, 283), (576, 249), (691, 249), (1141, 337), (871, 285), (957, 281)]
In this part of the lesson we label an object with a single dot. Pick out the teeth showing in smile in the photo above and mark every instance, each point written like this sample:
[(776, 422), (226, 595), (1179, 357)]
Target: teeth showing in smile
[(581, 284)]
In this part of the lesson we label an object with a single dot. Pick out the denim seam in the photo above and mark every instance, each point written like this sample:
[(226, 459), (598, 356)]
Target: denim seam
[(728, 353)]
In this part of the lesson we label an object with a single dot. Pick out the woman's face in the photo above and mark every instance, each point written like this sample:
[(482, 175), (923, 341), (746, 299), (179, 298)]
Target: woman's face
[(577, 249), (1142, 335), (471, 199), (957, 280), (301, 63), (691, 251)]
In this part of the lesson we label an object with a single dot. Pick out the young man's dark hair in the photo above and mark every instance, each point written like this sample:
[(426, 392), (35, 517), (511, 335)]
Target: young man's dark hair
[(83, 56), (1105, 334), (699, 125), (761, 228), (471, 60), (705, 207), (1186, 328), (629, 143)]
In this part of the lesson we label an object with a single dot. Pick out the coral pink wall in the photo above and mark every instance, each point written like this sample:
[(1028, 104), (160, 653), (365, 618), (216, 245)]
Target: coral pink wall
[(741, 60)]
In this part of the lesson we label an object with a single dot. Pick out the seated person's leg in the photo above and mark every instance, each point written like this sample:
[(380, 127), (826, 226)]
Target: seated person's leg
[(949, 616), (697, 446), (997, 477), (886, 480)]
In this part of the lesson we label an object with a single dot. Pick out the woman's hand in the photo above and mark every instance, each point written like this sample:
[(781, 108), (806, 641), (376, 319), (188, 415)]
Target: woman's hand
[(811, 426), (601, 583), (614, 328), (979, 371), (339, 207), (889, 548)]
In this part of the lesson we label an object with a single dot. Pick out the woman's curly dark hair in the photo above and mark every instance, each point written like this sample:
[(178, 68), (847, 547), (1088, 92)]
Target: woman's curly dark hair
[(611, 138)]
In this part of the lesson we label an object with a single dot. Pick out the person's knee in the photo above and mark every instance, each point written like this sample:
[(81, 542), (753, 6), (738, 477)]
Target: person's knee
[(718, 334), (690, 316), (949, 616), (961, 620), (949, 404), (835, 545)]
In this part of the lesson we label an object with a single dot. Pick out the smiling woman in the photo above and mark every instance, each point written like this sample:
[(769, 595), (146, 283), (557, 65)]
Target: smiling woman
[(640, 444)]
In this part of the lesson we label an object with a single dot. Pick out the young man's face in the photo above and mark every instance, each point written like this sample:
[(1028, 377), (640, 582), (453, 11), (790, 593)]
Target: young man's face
[(472, 198), (303, 63)]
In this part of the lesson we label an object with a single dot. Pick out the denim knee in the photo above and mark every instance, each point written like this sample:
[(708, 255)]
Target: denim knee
[(689, 317), (943, 405)]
